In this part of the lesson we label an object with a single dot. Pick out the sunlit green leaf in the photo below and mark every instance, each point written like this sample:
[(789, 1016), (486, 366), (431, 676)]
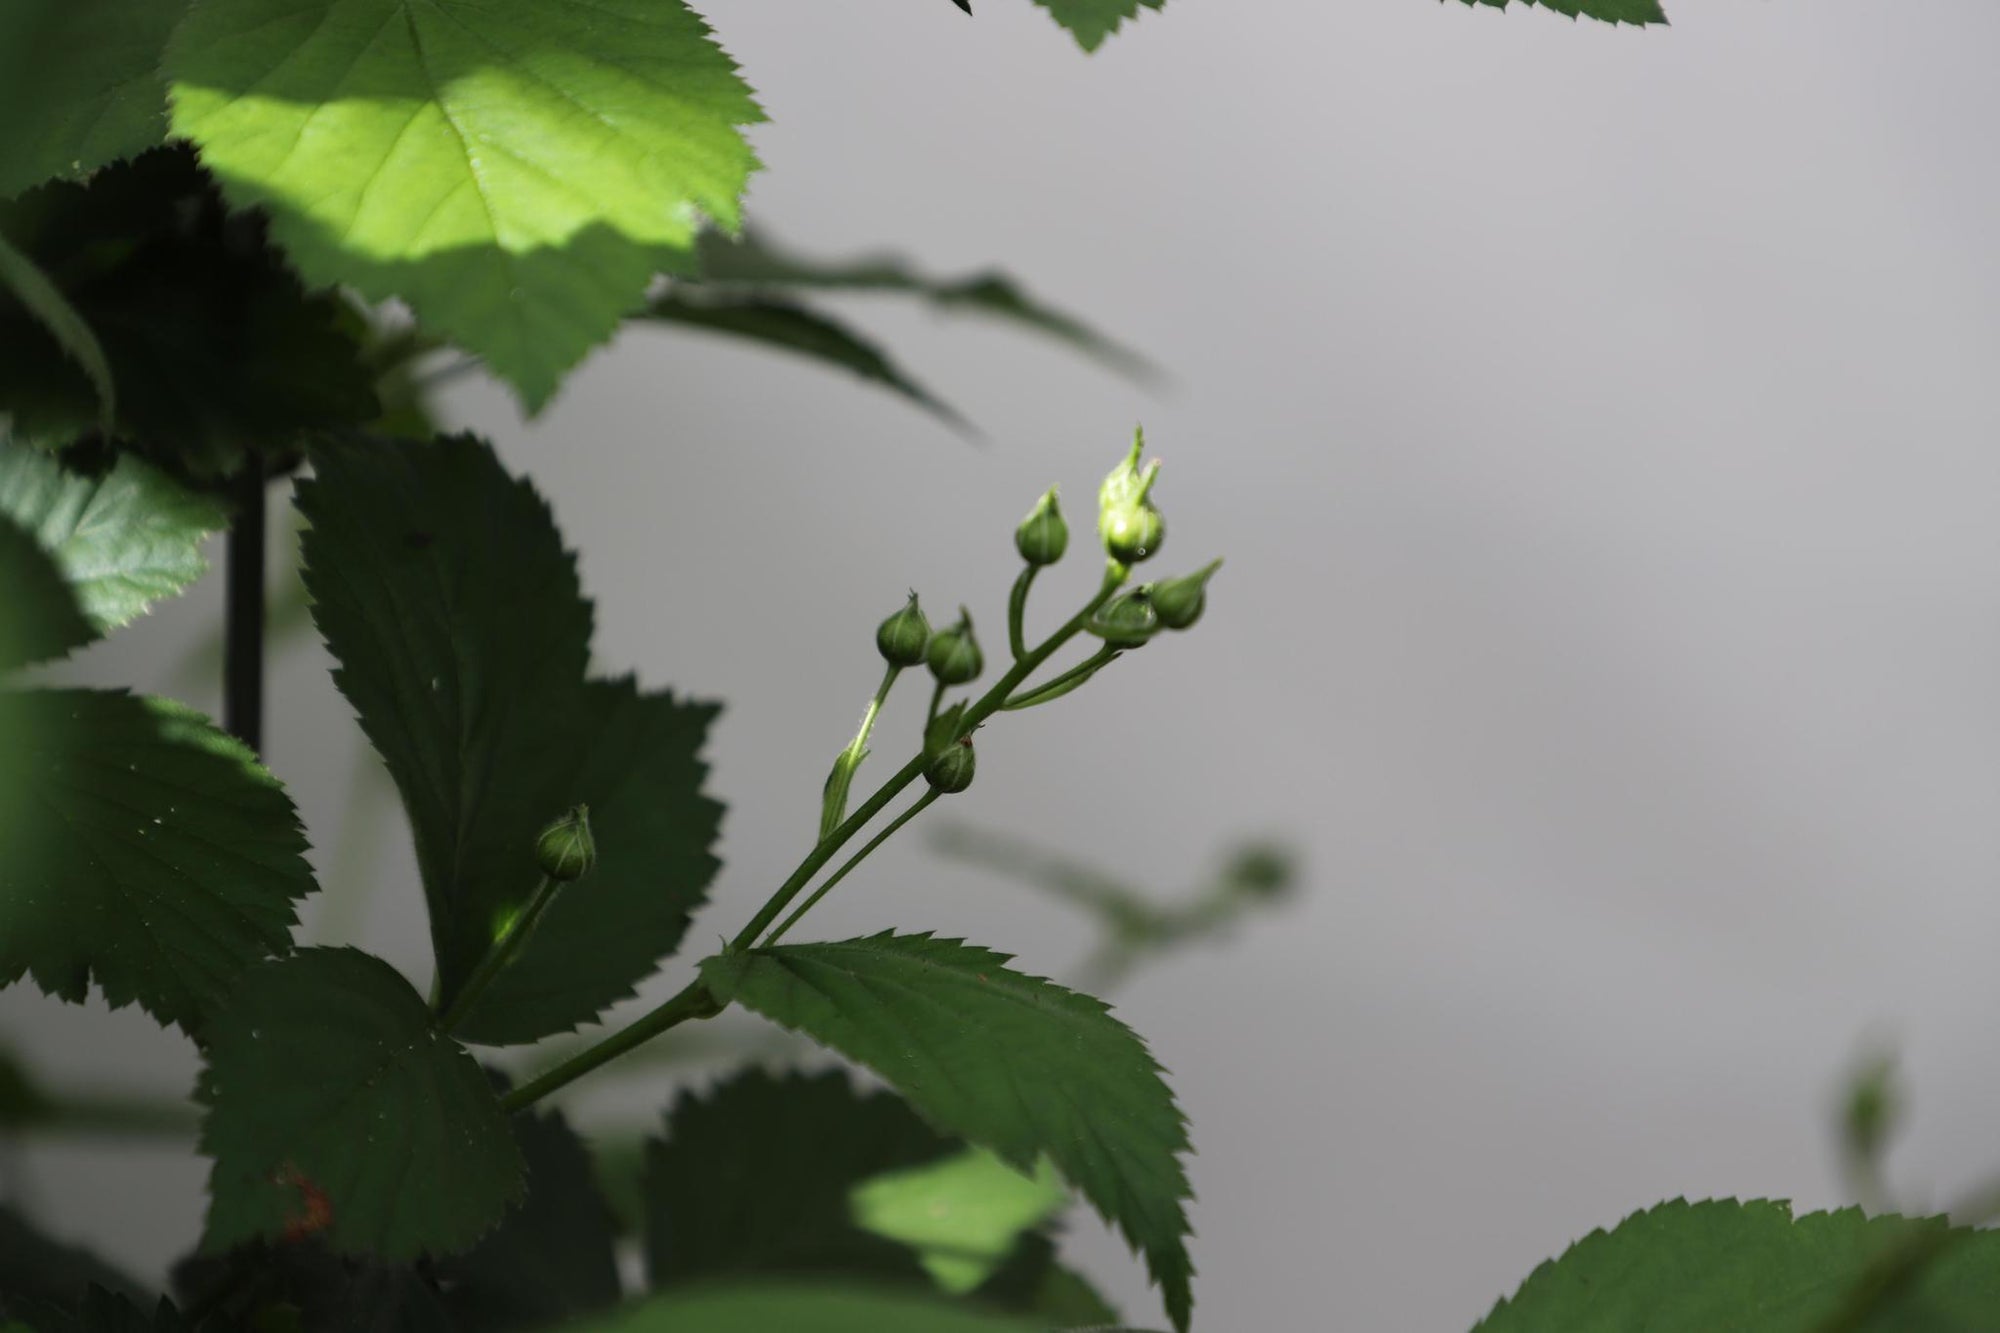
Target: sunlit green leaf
[(962, 1215)]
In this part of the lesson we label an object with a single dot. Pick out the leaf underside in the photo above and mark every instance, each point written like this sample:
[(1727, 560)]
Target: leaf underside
[(146, 851), (1011, 1062), (514, 169), (337, 1112)]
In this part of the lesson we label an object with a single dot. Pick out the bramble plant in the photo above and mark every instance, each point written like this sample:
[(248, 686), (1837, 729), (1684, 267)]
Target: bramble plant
[(241, 241)]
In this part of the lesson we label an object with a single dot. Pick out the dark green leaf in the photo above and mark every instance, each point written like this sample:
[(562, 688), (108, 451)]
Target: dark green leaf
[(444, 591), (79, 85), (214, 346), (755, 1179), (755, 262), (36, 1269), (516, 170), (337, 1111), (778, 1307), (123, 540), (1754, 1268), (1608, 11), (38, 296), (146, 850), (39, 618), (553, 1256), (1091, 21), (301, 1287), (1032, 1282), (1010, 1061), (796, 328)]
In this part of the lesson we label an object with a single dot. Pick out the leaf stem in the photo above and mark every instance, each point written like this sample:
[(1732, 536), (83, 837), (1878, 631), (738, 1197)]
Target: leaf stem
[(691, 1002), (243, 646), (923, 803), (1017, 612), (1064, 683), (835, 807), (502, 952)]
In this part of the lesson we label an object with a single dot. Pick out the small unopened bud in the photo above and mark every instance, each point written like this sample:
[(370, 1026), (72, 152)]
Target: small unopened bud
[(1181, 601), (1127, 620), (951, 769), (566, 850), (902, 638), (1043, 536), (954, 654), (1127, 521)]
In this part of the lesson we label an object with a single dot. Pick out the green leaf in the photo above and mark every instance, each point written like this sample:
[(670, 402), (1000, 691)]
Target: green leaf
[(145, 850), (551, 1257), (1608, 11), (445, 593), (755, 1179), (214, 346), (1091, 21), (800, 329), (768, 1307), (962, 1215), (1754, 1268), (1032, 1282), (39, 297), (336, 1110), (39, 618), (122, 540), (34, 1268), (756, 263), (1009, 1061), (514, 169), (79, 85)]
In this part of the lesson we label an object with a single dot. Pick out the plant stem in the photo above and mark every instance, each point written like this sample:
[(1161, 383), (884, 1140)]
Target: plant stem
[(243, 650), (937, 698), (835, 808), (923, 802), (500, 953), (1064, 683), (1017, 612), (692, 1002)]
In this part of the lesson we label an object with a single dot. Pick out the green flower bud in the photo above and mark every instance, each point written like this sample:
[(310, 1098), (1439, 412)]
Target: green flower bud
[(1181, 601), (1127, 520), (901, 638), (942, 731), (954, 654), (1127, 620), (951, 771), (566, 850), (1043, 536)]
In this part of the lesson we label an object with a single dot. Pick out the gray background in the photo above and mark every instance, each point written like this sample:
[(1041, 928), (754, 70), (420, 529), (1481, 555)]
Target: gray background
[(1601, 428)]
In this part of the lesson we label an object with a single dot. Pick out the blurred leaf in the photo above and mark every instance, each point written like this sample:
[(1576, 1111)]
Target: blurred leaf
[(1010, 1061), (776, 1307), (1754, 1268), (39, 297), (755, 1180), (551, 1257), (1091, 21), (146, 850), (515, 170), (445, 594), (962, 1215), (336, 1111), (757, 263), (79, 85), (123, 540), (39, 618), (1032, 1282), (796, 328), (1609, 11), (37, 1270)]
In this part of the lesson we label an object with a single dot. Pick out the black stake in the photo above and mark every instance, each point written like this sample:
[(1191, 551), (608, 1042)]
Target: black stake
[(243, 658)]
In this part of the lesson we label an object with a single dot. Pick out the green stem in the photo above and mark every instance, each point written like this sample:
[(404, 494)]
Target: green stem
[(835, 808), (502, 952), (1017, 612), (1064, 683), (937, 698), (692, 1002), (922, 803)]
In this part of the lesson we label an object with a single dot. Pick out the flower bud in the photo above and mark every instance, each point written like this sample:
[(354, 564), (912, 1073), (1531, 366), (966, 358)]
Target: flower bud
[(951, 770), (1181, 601), (1043, 536), (1127, 620), (566, 850), (901, 638), (954, 654), (1127, 520)]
